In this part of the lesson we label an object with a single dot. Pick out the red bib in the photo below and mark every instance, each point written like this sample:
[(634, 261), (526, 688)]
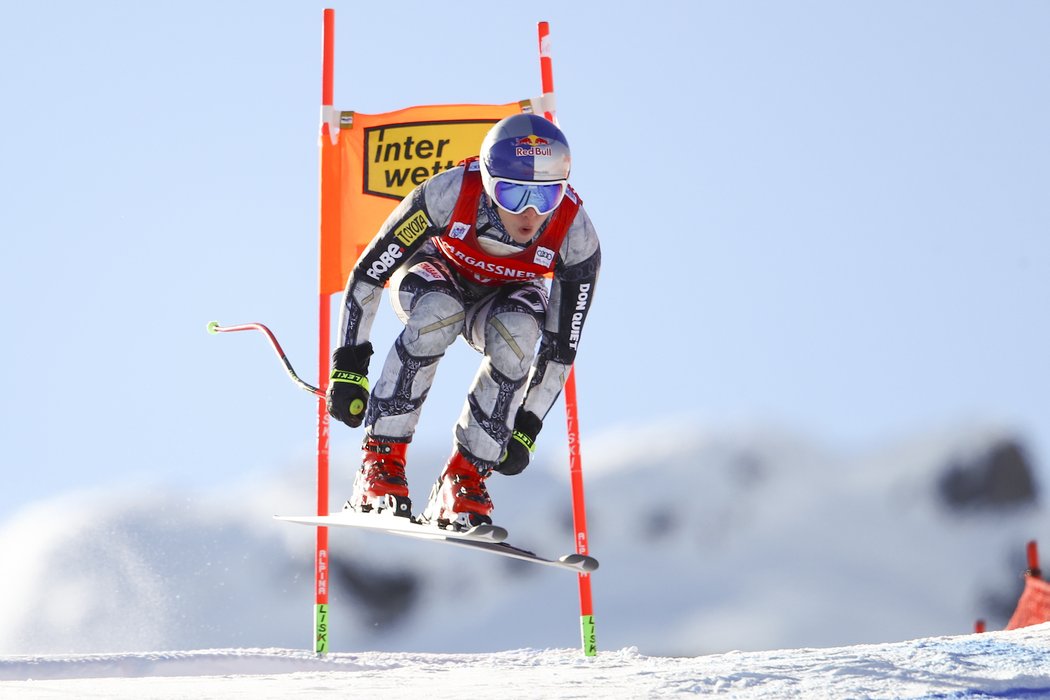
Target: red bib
[(459, 243)]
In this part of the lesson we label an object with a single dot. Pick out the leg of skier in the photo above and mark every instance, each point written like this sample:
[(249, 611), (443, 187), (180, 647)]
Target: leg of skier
[(505, 327), (432, 309)]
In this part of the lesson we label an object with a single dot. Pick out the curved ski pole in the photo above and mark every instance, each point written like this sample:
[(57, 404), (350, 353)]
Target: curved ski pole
[(214, 327)]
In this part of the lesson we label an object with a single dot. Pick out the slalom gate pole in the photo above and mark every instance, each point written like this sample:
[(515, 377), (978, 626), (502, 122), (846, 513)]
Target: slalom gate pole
[(1033, 560), (321, 559), (588, 636), (321, 566), (579, 513)]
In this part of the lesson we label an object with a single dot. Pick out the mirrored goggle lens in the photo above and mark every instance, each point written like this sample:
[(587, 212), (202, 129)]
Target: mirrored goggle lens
[(516, 197)]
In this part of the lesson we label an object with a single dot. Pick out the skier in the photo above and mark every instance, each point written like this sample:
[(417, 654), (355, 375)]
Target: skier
[(465, 253)]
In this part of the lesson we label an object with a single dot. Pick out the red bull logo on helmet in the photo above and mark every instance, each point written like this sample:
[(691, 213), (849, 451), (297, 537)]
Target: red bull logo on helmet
[(532, 146)]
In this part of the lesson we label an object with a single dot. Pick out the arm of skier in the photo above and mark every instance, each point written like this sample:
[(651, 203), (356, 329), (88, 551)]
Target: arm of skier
[(572, 290), (420, 215)]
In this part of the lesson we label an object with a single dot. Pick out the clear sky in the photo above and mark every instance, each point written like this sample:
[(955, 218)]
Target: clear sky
[(826, 216)]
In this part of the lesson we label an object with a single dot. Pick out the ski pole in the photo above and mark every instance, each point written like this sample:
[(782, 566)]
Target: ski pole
[(214, 327)]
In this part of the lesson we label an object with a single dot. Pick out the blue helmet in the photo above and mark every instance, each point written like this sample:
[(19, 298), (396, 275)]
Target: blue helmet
[(524, 148)]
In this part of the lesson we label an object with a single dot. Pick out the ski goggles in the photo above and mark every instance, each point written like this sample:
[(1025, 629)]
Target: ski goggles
[(516, 196)]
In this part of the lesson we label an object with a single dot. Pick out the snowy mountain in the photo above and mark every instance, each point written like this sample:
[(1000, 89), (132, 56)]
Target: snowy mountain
[(739, 540)]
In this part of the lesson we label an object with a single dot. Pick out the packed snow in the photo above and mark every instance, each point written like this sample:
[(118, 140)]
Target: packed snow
[(1012, 664), (764, 542)]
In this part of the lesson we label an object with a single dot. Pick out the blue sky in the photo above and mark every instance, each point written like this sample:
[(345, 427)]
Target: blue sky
[(828, 217)]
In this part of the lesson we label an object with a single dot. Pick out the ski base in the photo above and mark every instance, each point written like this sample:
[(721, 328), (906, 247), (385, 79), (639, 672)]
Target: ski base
[(486, 538), (398, 525), (580, 563)]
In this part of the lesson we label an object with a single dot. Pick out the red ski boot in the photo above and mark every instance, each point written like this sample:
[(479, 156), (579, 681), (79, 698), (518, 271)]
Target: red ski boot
[(380, 484), (459, 499)]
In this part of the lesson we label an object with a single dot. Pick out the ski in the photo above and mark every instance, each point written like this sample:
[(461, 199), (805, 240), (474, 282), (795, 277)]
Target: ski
[(485, 538), (397, 525), (580, 563)]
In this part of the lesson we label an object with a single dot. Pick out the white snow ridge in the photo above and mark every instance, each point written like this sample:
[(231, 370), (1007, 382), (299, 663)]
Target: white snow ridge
[(992, 665)]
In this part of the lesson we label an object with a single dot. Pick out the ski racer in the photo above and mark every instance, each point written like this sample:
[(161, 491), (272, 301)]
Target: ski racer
[(466, 254)]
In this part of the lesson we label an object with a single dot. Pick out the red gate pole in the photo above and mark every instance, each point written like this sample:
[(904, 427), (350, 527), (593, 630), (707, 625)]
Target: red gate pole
[(579, 512), (1033, 560), (321, 566)]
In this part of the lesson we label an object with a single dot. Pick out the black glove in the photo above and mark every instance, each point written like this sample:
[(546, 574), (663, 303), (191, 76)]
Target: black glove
[(522, 443), (347, 394)]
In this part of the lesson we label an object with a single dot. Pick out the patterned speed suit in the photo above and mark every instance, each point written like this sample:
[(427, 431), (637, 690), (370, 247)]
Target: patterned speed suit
[(438, 299)]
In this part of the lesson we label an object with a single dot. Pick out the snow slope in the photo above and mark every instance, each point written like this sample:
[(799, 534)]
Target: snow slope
[(736, 540), (993, 665)]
